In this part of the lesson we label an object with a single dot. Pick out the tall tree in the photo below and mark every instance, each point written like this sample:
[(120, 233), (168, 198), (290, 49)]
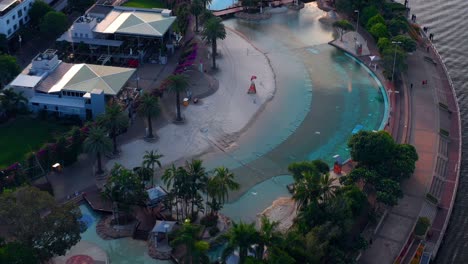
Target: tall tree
[(53, 24), (38, 222), (114, 120), (12, 102), (196, 8), (224, 182), (150, 159), (97, 143), (170, 178), (37, 12), (9, 69), (241, 236), (4, 44), (148, 106), (206, 3), (177, 84), (269, 236), (17, 253), (195, 249), (212, 31), (343, 26), (125, 189), (183, 16), (297, 169), (197, 176), (370, 148)]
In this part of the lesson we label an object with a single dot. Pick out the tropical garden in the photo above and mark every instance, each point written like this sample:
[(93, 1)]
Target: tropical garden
[(332, 213), (386, 22)]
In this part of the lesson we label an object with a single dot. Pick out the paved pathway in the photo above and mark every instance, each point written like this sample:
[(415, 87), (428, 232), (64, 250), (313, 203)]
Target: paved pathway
[(398, 224)]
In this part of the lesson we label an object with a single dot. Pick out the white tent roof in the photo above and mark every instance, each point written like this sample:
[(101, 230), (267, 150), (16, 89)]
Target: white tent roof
[(151, 23), (87, 77)]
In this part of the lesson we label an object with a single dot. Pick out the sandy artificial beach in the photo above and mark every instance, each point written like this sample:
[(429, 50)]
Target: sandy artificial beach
[(220, 116)]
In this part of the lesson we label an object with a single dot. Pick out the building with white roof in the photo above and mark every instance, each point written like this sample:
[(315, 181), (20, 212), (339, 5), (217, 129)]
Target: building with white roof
[(13, 14), (69, 89), (105, 29)]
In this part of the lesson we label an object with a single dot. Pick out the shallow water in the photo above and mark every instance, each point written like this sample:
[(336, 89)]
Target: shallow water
[(322, 95), (120, 251)]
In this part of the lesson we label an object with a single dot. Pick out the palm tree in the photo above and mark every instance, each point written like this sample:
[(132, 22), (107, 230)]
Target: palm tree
[(150, 159), (114, 120), (269, 236), (206, 15), (195, 249), (148, 107), (307, 190), (211, 190), (327, 187), (241, 236), (97, 143), (206, 3), (314, 188), (224, 182), (170, 178), (213, 30), (177, 84), (196, 8), (197, 176), (11, 101)]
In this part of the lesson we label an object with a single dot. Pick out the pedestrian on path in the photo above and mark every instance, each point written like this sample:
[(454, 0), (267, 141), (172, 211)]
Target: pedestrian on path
[(411, 86)]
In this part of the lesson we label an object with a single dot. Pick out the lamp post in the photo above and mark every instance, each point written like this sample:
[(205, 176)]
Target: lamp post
[(357, 23), (394, 58), (357, 29)]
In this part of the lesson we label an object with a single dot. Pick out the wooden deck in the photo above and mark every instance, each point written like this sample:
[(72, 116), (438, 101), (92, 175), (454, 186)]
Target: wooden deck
[(95, 199)]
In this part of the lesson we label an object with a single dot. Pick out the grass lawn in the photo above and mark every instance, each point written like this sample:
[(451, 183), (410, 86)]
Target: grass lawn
[(145, 3), (25, 134)]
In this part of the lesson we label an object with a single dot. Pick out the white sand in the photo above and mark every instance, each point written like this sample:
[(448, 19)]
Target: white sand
[(283, 210), (224, 113)]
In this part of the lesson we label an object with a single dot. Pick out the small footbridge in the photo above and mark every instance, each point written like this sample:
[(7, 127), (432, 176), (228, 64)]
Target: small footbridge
[(235, 9)]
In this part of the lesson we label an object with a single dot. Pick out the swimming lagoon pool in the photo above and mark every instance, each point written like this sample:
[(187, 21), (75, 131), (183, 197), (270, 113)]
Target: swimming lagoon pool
[(322, 95)]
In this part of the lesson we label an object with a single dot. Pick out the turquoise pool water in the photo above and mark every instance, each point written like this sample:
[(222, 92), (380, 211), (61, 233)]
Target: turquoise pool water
[(120, 251), (322, 95), (221, 4)]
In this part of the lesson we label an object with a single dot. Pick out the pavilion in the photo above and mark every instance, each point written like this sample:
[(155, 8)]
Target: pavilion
[(120, 32)]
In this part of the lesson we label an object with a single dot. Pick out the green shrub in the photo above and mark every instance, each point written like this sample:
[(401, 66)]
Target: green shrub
[(407, 43), (397, 26), (383, 43), (421, 226), (379, 30), (375, 20)]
